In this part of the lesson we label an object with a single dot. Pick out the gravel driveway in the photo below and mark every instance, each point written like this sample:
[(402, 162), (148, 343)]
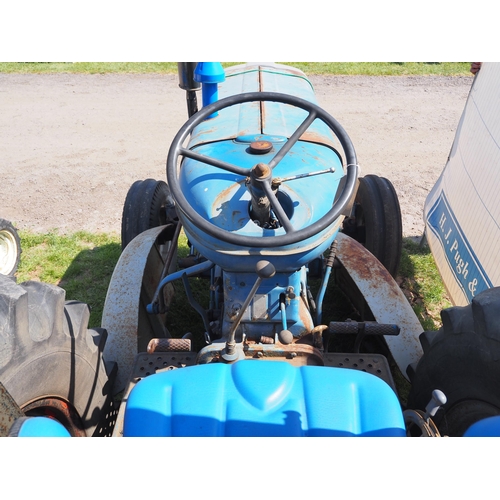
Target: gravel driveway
[(73, 144)]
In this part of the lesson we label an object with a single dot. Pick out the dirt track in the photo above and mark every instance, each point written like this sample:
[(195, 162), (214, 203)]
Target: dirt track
[(73, 144)]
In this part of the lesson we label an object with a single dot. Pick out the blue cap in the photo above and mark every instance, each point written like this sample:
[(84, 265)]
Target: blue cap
[(209, 72)]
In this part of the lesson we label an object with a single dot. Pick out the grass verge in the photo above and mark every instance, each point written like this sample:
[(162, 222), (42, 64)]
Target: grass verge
[(310, 68), (80, 263), (421, 282)]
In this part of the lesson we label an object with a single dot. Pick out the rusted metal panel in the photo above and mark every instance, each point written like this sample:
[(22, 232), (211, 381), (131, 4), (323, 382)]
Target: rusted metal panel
[(123, 307), (9, 411), (385, 299)]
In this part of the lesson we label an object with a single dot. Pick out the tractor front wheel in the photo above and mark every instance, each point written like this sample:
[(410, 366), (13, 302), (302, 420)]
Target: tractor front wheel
[(146, 206), (376, 221), (10, 248)]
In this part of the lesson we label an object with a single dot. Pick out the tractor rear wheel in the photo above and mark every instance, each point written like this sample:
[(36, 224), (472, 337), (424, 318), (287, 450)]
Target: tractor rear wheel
[(147, 205), (10, 248), (50, 362), (462, 360), (376, 221)]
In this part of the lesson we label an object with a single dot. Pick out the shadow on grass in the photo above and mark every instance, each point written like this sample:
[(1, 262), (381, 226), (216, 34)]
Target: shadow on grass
[(88, 276), (421, 283)]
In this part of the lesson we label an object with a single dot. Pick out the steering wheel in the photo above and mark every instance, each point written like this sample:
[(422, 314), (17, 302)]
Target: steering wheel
[(261, 173)]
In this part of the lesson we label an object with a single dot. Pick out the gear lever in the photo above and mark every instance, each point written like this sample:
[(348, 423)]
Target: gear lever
[(264, 270)]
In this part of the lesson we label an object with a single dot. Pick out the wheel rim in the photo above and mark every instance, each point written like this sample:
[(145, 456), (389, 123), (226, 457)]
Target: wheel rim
[(59, 410), (9, 251)]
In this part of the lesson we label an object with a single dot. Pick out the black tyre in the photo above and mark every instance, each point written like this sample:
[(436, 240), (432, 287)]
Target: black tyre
[(376, 221), (10, 248), (462, 359), (50, 362), (148, 204)]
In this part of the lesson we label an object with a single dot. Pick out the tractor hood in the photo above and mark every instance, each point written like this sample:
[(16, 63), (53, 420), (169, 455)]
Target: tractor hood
[(308, 175), (263, 118)]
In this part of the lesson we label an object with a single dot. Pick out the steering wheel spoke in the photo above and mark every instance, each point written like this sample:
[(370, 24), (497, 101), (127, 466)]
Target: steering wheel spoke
[(214, 162), (293, 139), (277, 208)]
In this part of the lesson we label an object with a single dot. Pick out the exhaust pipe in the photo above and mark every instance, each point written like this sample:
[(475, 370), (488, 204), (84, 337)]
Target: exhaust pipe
[(189, 84)]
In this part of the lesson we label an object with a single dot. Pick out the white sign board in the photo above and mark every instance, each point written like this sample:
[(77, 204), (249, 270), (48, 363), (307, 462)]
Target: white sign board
[(462, 212)]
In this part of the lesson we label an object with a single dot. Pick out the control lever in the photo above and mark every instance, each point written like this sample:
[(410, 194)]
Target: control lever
[(264, 270), (422, 421), (438, 399)]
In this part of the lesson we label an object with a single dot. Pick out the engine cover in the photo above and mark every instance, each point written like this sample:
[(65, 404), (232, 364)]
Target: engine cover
[(263, 398)]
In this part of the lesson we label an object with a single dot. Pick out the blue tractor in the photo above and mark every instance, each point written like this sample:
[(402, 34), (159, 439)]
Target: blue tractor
[(265, 186)]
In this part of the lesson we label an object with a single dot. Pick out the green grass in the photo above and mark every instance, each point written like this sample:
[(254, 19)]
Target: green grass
[(310, 68), (385, 68), (422, 284), (80, 263)]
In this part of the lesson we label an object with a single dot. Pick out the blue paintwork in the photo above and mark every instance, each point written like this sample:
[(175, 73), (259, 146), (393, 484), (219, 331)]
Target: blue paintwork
[(209, 74), (42, 427), (246, 118), (460, 256), (237, 288), (260, 398), (223, 199), (488, 427)]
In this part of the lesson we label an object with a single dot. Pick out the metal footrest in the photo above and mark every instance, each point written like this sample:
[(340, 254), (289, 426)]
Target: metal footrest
[(147, 364), (375, 364)]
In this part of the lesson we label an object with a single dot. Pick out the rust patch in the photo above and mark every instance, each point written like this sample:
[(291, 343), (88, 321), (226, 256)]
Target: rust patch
[(367, 267), (385, 299), (260, 147), (58, 410), (298, 354), (317, 138), (304, 315), (295, 354), (222, 197), (222, 200)]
